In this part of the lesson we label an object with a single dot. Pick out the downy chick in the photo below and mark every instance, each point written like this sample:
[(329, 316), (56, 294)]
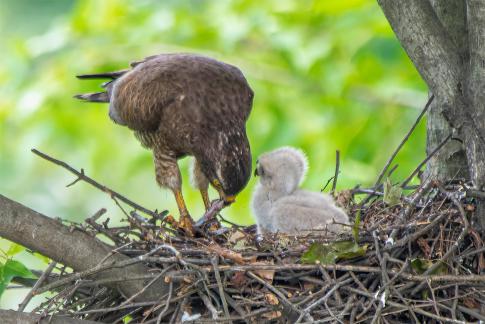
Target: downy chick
[(278, 203)]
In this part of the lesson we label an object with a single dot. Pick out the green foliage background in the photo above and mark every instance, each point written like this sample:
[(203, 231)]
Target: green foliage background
[(327, 75)]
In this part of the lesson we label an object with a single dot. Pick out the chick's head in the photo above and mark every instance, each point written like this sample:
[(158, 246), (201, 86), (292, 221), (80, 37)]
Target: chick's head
[(282, 170)]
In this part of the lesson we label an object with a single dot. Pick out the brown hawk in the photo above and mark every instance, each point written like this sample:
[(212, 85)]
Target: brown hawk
[(185, 104)]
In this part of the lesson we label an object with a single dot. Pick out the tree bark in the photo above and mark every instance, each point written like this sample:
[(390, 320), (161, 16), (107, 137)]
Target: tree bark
[(475, 90), (73, 248), (427, 43), (450, 162), (13, 317), (438, 59), (454, 72)]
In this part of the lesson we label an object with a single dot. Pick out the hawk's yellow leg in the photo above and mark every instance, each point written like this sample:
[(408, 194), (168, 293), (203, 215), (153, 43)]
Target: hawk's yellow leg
[(185, 221), (205, 197)]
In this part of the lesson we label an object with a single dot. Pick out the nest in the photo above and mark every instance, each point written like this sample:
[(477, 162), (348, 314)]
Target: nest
[(416, 260)]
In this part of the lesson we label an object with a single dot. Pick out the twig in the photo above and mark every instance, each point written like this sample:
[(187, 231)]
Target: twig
[(337, 167), (215, 264), (101, 267), (385, 280), (209, 305), (397, 305), (436, 150), (420, 192), (475, 193), (167, 303), (83, 177), (330, 279), (278, 293), (322, 299), (405, 139), (455, 245), (214, 209), (39, 282), (151, 282)]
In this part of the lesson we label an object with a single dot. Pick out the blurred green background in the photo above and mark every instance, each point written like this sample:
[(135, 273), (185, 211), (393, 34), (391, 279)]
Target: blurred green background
[(327, 75)]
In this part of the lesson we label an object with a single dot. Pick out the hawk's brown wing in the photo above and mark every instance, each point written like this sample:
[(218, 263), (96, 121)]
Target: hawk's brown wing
[(203, 89)]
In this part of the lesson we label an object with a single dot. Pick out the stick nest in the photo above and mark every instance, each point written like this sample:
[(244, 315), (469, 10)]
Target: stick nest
[(422, 263)]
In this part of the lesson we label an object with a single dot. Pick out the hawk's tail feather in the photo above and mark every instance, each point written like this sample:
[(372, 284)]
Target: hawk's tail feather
[(94, 97), (106, 75)]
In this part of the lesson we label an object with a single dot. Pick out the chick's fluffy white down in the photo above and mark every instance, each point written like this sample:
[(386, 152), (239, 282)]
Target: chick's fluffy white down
[(281, 206)]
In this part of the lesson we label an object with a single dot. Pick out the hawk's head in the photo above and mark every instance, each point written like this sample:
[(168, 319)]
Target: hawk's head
[(228, 167)]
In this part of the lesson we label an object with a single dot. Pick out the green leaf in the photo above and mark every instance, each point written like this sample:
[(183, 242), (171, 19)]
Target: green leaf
[(392, 193), (421, 265), (14, 249), (10, 270), (355, 228), (16, 269), (43, 258), (330, 253), (319, 252)]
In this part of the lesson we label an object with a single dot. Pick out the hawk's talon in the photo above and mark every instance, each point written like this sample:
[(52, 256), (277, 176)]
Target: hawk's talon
[(185, 221), (185, 224)]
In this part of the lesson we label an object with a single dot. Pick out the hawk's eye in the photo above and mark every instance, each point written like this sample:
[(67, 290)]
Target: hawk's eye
[(216, 183)]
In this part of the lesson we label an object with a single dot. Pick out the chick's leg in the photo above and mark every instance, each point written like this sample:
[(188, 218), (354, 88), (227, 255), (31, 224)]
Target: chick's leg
[(200, 181), (168, 176)]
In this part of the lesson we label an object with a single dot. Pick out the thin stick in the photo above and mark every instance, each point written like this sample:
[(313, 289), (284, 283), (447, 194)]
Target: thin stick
[(83, 177), (322, 299), (209, 305), (404, 184), (337, 167), (167, 303), (214, 209), (278, 293), (215, 264), (101, 267), (401, 306), (37, 284), (455, 245), (389, 161)]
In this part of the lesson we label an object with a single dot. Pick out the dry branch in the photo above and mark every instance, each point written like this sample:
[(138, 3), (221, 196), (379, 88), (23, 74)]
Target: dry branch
[(82, 176), (69, 246), (13, 317)]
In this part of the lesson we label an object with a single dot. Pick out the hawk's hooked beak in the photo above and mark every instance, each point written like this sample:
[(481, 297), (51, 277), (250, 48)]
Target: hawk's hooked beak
[(229, 200)]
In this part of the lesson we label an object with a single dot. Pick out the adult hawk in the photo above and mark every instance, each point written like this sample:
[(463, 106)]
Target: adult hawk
[(185, 104)]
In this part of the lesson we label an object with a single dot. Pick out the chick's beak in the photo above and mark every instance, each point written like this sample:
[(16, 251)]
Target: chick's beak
[(256, 172)]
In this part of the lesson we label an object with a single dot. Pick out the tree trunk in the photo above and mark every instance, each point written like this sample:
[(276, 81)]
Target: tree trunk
[(445, 40), (450, 162), (475, 91)]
